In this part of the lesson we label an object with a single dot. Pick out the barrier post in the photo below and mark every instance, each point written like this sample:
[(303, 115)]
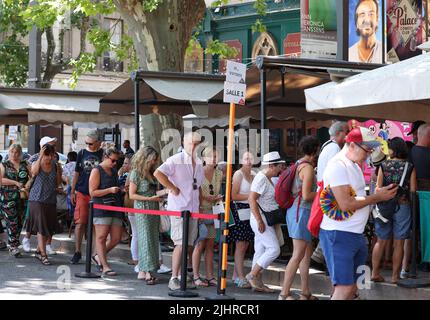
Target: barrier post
[(88, 273), (182, 292), (414, 281)]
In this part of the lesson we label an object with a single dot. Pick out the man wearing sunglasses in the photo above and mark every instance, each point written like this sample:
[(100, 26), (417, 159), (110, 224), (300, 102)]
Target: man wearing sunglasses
[(345, 215), (182, 174), (87, 159)]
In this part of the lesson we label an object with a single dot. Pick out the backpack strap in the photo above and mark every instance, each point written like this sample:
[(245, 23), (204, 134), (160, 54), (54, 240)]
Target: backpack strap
[(405, 170), (300, 192)]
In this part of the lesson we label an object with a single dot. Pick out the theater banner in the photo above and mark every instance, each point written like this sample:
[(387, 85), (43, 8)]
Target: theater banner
[(405, 29), (318, 29)]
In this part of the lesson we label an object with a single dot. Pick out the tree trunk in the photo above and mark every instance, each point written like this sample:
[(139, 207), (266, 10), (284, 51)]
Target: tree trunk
[(161, 37)]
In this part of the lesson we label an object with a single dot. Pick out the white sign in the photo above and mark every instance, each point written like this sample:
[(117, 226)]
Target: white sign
[(234, 92), (236, 72), (13, 133)]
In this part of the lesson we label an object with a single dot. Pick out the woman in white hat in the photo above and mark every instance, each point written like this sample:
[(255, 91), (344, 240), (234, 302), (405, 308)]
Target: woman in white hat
[(262, 198)]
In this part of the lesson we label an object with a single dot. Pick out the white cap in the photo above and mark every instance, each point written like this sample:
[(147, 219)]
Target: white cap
[(46, 140)]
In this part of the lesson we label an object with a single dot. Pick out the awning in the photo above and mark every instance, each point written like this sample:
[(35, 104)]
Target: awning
[(395, 92), (41, 106)]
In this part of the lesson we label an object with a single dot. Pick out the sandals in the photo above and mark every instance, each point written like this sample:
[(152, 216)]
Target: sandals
[(263, 289), (286, 297), (378, 278), (38, 255), (151, 281), (200, 282), (98, 265), (307, 297), (109, 273), (45, 261), (212, 282)]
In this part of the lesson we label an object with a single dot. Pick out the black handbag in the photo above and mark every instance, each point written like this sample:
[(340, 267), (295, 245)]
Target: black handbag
[(274, 217), (388, 208)]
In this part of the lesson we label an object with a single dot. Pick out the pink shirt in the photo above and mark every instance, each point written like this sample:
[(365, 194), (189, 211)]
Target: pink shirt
[(179, 169)]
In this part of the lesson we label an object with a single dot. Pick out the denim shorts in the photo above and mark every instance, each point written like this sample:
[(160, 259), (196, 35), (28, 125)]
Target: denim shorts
[(398, 227), (298, 228), (107, 221), (344, 253)]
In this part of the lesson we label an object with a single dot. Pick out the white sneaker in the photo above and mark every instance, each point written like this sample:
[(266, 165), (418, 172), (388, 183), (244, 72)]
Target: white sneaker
[(49, 250), (404, 274), (136, 268), (174, 284), (164, 269), (26, 244)]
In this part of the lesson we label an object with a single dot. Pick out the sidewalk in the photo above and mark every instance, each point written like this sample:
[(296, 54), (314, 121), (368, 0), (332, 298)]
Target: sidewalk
[(320, 283)]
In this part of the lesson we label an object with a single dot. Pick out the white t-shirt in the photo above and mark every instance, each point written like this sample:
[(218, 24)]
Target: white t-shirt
[(266, 190), (339, 172), (327, 153)]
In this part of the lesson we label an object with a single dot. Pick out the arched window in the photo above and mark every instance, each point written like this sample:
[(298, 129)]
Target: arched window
[(265, 45)]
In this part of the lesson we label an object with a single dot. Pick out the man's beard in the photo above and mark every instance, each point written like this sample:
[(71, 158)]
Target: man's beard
[(367, 34)]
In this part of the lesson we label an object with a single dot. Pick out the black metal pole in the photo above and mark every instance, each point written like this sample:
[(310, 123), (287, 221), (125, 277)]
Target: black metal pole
[(88, 273), (182, 292), (136, 113)]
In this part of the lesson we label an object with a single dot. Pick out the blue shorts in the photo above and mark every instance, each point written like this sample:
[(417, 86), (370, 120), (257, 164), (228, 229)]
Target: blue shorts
[(399, 226), (298, 229), (344, 253)]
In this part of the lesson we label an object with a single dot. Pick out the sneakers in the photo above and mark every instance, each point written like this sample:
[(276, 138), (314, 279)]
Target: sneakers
[(242, 283), (49, 250), (14, 252), (164, 269), (76, 258), (26, 244), (174, 284), (404, 274), (136, 268)]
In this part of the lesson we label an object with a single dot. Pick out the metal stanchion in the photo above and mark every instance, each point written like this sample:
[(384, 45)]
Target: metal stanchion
[(88, 273), (182, 292), (414, 281)]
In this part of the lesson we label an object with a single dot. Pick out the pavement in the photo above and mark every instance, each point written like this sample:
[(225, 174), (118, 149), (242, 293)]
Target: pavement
[(26, 278)]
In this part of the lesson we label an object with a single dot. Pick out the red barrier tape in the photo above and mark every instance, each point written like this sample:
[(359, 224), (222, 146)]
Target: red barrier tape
[(155, 212)]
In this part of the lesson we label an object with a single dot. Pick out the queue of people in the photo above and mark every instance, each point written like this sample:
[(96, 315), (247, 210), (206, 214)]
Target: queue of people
[(195, 184)]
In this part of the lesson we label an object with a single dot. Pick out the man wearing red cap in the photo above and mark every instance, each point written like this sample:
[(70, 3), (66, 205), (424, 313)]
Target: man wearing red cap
[(346, 211)]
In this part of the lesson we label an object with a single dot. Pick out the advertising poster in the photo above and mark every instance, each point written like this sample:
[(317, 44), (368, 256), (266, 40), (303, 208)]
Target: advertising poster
[(318, 29), (405, 29), (384, 131), (365, 25)]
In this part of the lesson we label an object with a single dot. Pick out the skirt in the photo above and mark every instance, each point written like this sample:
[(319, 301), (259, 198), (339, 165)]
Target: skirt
[(42, 219)]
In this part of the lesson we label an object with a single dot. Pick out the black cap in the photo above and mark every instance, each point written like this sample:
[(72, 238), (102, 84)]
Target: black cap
[(415, 126)]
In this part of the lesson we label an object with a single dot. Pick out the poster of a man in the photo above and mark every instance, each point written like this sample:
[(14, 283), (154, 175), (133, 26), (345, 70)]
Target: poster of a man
[(365, 25)]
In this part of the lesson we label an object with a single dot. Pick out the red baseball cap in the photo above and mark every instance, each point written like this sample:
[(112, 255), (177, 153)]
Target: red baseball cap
[(362, 136)]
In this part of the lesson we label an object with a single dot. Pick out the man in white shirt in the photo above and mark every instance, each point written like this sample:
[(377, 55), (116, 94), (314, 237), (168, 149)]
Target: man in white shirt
[(329, 150), (182, 174), (341, 234)]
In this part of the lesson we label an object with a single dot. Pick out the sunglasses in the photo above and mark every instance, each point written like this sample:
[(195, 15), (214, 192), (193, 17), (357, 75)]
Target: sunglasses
[(113, 160), (364, 149), (194, 184), (89, 144), (211, 189)]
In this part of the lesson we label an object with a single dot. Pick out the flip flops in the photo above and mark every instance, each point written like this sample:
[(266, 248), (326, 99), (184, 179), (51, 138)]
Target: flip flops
[(109, 273), (98, 266), (378, 278)]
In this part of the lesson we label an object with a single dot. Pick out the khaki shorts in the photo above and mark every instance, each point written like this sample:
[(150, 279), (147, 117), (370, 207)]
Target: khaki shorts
[(107, 221), (176, 231)]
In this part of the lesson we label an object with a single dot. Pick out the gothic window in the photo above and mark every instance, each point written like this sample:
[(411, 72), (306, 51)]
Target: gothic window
[(265, 45)]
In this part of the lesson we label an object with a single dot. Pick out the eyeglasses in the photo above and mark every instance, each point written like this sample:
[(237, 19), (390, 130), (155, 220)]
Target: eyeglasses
[(89, 144), (211, 189), (194, 184), (364, 149), (113, 160)]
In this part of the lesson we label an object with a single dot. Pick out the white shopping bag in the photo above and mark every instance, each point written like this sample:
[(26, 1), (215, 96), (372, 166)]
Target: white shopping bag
[(218, 209)]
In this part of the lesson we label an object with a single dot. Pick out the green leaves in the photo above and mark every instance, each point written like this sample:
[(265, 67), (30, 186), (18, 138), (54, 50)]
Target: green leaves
[(222, 49), (151, 5), (261, 7), (13, 62), (87, 62)]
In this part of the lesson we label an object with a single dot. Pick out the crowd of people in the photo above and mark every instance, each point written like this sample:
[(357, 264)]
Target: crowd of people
[(331, 173)]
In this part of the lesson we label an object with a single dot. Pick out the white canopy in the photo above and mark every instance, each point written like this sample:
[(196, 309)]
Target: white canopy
[(400, 91)]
